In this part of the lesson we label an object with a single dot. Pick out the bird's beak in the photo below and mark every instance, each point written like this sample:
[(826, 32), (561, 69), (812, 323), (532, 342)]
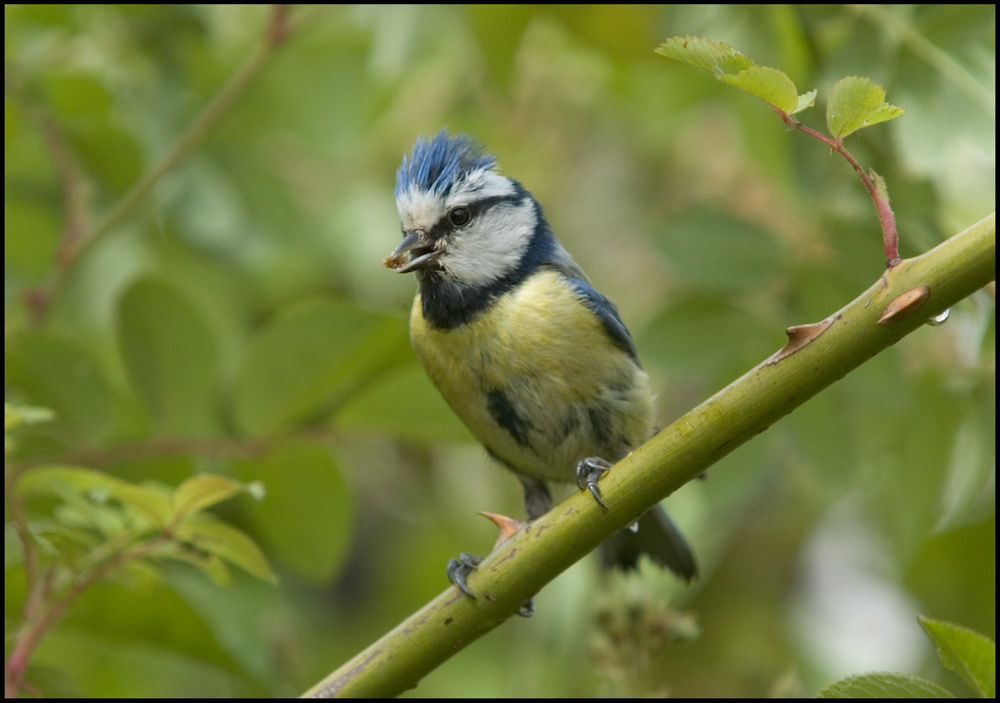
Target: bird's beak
[(419, 250)]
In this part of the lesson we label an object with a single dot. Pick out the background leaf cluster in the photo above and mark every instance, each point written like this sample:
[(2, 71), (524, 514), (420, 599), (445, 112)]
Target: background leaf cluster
[(239, 323)]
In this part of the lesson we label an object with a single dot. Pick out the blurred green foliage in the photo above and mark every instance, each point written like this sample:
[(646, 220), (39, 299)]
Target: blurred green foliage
[(239, 322)]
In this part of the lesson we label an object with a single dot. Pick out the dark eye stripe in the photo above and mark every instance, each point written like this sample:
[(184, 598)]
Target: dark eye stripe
[(476, 209)]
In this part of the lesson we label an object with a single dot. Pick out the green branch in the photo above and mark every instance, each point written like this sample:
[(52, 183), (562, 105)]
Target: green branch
[(898, 303)]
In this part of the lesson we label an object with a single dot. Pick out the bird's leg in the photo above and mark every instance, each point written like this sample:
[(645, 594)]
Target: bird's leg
[(537, 502), (587, 473), (537, 499)]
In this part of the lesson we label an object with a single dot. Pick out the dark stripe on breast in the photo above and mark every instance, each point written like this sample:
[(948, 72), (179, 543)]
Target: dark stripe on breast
[(506, 416)]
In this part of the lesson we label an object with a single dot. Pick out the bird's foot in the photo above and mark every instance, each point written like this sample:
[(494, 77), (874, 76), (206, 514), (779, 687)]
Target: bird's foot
[(458, 571), (587, 473)]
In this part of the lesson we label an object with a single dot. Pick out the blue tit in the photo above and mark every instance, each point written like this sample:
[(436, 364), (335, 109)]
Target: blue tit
[(533, 359)]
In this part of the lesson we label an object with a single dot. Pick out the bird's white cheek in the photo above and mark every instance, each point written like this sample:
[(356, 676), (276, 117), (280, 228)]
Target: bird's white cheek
[(493, 247)]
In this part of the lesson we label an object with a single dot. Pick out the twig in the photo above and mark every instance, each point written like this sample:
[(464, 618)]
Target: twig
[(34, 629), (890, 236)]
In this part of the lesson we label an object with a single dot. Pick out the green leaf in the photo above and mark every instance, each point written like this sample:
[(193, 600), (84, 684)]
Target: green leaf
[(969, 654), (170, 355), (883, 685), (64, 537), (17, 415), (225, 541), (106, 522), (56, 480), (65, 374), (692, 323), (154, 501), (708, 55), (76, 94), (305, 521), (718, 252), (730, 66), (241, 619), (805, 100), (856, 103), (309, 358), (203, 491), (109, 152), (403, 403), (769, 84), (209, 564)]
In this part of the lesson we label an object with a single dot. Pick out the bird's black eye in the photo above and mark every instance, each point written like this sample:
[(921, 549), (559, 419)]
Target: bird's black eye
[(460, 216)]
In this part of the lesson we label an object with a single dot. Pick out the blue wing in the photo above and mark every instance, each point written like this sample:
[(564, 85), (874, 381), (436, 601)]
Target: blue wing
[(607, 313)]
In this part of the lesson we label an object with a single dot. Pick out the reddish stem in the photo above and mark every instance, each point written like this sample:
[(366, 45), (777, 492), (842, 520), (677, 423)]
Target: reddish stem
[(35, 629), (890, 236)]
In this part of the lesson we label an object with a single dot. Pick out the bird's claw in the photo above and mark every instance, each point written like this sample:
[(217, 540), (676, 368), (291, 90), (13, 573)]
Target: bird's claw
[(459, 569), (587, 473), (527, 609)]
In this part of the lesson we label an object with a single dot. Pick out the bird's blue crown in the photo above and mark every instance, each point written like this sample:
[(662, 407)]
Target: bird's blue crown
[(437, 165)]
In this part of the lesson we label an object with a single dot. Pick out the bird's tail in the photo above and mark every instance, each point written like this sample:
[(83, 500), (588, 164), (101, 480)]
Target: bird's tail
[(656, 536)]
